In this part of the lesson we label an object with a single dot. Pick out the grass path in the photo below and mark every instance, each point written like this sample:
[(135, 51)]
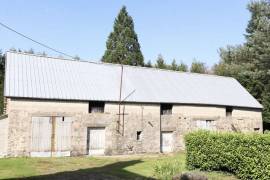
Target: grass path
[(116, 167)]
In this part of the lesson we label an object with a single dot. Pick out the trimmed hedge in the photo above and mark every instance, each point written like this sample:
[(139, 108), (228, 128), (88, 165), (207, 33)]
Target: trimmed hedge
[(245, 155)]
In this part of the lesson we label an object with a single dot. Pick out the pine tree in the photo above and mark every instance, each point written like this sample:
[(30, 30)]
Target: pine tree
[(160, 62), (249, 63), (174, 66), (122, 45), (182, 67)]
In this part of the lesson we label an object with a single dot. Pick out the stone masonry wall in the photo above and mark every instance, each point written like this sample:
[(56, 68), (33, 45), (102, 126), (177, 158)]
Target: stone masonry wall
[(121, 133), (143, 118), (184, 120)]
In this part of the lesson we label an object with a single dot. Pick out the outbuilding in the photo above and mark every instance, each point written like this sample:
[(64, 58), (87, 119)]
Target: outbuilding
[(62, 107)]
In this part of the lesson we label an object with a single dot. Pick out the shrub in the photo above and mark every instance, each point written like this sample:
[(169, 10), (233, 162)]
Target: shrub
[(245, 155), (166, 170)]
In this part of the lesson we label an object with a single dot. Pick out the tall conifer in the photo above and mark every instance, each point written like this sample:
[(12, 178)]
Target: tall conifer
[(122, 45)]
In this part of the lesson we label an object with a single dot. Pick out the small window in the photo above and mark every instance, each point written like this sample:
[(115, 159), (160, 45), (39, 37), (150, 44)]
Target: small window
[(206, 124), (165, 109), (256, 129), (139, 135), (96, 107), (229, 111)]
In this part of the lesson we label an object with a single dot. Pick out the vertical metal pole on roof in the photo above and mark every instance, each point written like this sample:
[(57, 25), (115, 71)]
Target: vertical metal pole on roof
[(120, 98)]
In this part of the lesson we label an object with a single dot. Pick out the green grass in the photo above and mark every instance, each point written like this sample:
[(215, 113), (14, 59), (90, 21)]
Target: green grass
[(125, 167)]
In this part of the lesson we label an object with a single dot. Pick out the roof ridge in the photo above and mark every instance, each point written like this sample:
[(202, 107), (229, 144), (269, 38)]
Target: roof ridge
[(112, 64)]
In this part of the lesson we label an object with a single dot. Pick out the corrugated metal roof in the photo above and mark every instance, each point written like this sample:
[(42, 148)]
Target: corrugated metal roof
[(32, 76)]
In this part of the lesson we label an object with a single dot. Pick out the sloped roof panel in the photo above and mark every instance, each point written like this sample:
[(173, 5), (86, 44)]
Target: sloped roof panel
[(32, 76)]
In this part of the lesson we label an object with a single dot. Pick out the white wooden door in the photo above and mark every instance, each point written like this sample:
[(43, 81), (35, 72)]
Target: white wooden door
[(63, 136), (166, 142), (3, 137), (41, 137), (96, 141)]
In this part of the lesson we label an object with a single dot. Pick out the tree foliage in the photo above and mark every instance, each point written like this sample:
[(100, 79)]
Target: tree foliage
[(122, 45), (30, 51), (174, 66), (161, 64), (178, 67), (182, 67), (2, 76), (198, 67), (148, 64), (249, 63)]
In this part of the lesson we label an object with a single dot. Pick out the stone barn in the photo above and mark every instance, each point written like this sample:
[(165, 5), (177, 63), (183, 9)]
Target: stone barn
[(61, 107)]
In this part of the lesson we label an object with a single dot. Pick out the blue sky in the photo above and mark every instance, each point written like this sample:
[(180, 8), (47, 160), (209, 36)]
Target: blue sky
[(178, 29)]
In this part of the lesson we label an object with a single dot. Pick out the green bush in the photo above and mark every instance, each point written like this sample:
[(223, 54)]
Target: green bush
[(166, 170), (245, 155)]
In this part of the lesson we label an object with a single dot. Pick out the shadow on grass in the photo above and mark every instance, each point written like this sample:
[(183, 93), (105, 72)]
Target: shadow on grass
[(113, 171)]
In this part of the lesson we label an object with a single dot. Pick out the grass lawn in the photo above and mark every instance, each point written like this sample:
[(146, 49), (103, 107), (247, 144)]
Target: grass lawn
[(116, 167)]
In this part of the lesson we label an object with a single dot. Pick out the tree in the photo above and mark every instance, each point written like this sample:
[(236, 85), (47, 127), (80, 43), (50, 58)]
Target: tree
[(249, 63), (160, 62), (12, 49), (2, 77), (198, 67), (122, 45), (182, 67), (30, 51), (76, 57), (42, 54), (148, 64), (174, 66)]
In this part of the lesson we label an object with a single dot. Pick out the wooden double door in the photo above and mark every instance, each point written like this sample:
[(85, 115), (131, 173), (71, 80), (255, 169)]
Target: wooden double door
[(51, 136)]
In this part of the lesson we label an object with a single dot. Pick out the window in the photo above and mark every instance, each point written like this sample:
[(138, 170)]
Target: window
[(206, 124), (229, 111), (139, 135), (165, 109), (256, 129), (96, 107)]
